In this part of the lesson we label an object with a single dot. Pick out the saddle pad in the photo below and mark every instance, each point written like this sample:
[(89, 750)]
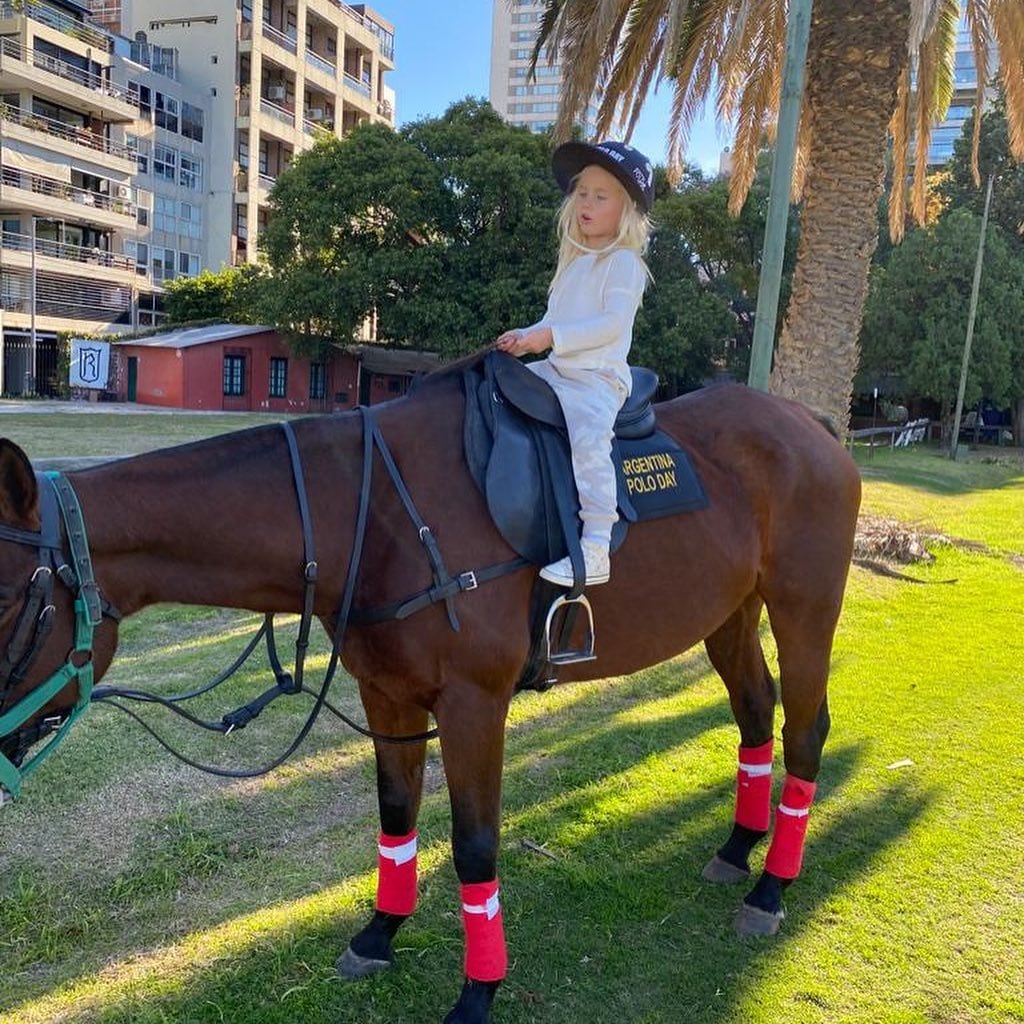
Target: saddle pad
[(656, 478)]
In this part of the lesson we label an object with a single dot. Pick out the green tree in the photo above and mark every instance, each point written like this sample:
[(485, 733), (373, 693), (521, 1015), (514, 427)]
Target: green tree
[(230, 295), (683, 331), (859, 86), (347, 217), (959, 188), (444, 232), (915, 319)]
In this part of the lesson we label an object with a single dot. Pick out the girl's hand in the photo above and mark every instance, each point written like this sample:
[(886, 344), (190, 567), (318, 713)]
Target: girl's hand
[(507, 340), (519, 343)]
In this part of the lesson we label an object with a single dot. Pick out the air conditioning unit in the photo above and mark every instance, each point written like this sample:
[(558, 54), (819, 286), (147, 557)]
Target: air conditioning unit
[(316, 114), (276, 92), (123, 191)]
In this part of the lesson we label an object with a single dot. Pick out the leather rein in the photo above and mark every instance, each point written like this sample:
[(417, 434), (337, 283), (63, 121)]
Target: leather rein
[(35, 622)]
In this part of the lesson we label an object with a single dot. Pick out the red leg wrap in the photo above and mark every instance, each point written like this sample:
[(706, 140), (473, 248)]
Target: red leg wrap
[(754, 787), (396, 874), (486, 956), (786, 852)]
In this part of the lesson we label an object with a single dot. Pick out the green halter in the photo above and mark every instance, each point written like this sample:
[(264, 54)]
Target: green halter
[(88, 614)]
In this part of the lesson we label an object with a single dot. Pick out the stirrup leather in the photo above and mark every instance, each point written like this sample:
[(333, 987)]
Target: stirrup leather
[(571, 606)]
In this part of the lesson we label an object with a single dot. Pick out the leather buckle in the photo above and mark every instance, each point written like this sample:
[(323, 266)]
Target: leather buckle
[(468, 581)]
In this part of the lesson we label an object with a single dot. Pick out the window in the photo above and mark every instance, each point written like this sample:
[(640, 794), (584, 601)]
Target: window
[(166, 112), (140, 94), (165, 162), (192, 121), (278, 377), (243, 151), (190, 220), (141, 257), (163, 264), (191, 175), (234, 375), (165, 214), (317, 380), (139, 148), (188, 264)]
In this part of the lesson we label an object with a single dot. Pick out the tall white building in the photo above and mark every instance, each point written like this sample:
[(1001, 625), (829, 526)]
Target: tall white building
[(274, 73), (139, 140), (518, 99)]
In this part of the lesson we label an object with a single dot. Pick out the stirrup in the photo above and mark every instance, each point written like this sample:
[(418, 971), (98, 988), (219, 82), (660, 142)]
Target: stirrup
[(570, 657)]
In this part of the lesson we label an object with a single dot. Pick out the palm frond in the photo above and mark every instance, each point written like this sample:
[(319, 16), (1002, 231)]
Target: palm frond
[(923, 15), (1007, 18), (935, 84), (979, 24), (635, 67), (585, 34), (675, 25), (900, 129), (758, 98)]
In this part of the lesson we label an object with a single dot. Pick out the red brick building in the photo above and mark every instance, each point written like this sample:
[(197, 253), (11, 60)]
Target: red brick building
[(238, 367)]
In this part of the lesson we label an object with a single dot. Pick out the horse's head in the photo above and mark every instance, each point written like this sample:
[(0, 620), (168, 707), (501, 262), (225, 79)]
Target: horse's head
[(49, 608)]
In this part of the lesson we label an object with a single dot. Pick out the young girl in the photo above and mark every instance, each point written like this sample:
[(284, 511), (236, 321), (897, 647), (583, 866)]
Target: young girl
[(593, 299)]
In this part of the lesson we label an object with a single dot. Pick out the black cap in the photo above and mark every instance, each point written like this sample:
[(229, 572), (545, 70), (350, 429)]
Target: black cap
[(629, 165)]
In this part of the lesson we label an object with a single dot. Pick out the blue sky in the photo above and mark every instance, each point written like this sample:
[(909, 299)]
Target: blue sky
[(443, 53)]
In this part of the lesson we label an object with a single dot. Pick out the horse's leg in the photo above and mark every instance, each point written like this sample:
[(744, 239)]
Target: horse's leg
[(735, 651), (472, 725), (399, 787), (803, 630)]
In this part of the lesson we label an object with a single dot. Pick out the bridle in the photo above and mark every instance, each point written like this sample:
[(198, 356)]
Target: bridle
[(36, 619), (57, 503)]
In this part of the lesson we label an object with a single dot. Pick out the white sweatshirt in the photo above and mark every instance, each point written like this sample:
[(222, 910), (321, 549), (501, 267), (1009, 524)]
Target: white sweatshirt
[(591, 311)]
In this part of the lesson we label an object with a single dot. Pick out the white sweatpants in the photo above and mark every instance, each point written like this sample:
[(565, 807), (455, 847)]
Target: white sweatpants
[(590, 408)]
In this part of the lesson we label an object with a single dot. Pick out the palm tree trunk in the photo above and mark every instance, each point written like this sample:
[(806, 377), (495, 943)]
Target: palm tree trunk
[(855, 56)]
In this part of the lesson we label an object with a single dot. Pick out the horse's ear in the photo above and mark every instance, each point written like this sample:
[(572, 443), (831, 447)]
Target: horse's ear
[(19, 495)]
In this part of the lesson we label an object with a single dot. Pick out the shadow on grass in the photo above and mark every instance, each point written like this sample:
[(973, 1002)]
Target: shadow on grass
[(618, 928), (933, 472)]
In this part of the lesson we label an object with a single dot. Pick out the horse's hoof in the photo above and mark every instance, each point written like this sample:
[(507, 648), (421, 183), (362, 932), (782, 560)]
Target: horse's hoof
[(351, 965), (755, 921), (723, 873)]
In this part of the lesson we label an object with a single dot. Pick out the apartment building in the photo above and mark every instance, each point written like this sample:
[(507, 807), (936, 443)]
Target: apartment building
[(520, 100), (275, 74), (138, 143), (67, 198)]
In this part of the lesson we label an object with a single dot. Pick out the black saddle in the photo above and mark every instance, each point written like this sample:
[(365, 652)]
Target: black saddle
[(517, 449)]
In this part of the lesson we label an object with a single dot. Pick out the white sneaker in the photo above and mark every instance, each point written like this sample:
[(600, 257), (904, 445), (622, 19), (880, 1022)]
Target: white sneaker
[(595, 558)]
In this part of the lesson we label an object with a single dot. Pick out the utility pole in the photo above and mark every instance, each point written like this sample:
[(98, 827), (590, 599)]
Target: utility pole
[(797, 33), (953, 441)]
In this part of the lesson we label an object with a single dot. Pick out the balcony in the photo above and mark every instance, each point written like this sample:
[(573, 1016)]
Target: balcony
[(14, 242), (51, 197), (387, 43), (321, 64), (278, 37), (79, 136), (60, 79), (278, 113), (360, 87), (55, 18)]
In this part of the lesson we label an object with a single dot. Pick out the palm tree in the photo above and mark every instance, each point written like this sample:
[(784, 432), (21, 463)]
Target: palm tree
[(874, 68)]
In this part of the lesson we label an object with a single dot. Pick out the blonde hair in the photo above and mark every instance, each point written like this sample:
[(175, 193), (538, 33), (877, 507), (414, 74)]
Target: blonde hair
[(634, 232)]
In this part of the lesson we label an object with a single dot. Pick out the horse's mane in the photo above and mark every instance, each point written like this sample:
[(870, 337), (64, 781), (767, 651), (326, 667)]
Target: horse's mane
[(450, 370)]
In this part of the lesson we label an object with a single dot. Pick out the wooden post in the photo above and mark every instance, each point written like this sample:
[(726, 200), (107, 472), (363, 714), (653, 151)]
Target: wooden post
[(955, 439)]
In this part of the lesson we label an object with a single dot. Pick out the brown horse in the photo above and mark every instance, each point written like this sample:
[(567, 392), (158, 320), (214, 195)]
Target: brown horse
[(217, 523)]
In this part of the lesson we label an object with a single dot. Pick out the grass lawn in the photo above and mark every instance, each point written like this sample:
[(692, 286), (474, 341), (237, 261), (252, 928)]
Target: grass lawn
[(135, 890)]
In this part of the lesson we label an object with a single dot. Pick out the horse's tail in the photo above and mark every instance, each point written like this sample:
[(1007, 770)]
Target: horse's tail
[(828, 423)]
